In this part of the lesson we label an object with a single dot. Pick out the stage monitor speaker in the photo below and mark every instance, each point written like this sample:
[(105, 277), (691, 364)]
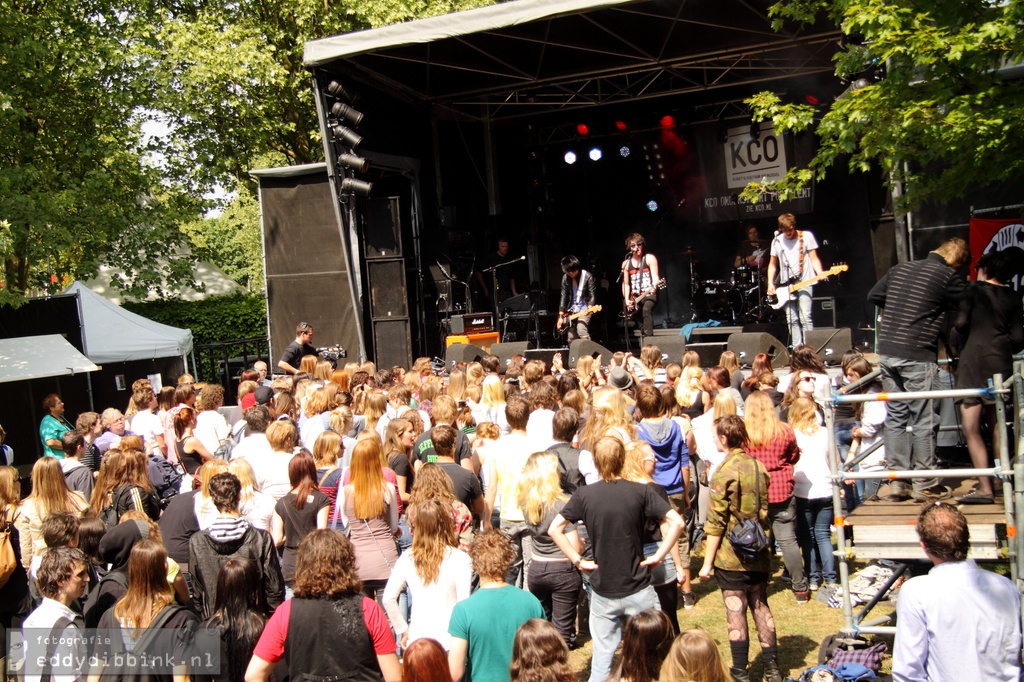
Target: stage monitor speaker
[(505, 351), (463, 352), (546, 354), (823, 311), (382, 228), (709, 352), (671, 347), (777, 329), (392, 342), (583, 347), (746, 346), (830, 343)]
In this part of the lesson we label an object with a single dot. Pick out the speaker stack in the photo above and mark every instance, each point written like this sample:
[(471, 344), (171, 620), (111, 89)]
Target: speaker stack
[(583, 347), (748, 345)]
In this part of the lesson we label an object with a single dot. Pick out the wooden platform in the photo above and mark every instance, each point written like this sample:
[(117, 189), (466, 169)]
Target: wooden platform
[(887, 530)]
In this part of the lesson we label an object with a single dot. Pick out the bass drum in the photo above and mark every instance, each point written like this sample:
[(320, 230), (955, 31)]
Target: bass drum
[(716, 299), (744, 277)]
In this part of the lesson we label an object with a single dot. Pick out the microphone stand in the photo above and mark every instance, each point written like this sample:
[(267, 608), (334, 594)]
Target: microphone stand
[(494, 283)]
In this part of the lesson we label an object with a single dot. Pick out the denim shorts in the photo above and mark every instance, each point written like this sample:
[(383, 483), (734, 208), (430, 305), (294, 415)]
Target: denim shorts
[(663, 573)]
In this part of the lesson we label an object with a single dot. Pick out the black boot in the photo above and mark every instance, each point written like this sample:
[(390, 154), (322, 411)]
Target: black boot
[(739, 674), (771, 671)]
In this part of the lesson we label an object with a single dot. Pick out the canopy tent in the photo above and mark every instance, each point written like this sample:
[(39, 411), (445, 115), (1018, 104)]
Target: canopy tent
[(113, 334), (529, 57), (214, 283), (38, 357)]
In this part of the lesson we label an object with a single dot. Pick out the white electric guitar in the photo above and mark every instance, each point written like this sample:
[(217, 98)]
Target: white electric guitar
[(784, 295)]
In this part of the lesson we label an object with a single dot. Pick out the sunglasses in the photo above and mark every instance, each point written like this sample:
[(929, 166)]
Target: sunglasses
[(807, 379)]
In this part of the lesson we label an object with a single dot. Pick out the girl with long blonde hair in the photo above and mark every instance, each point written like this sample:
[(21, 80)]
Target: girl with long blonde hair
[(552, 580), (694, 657), (812, 489), (474, 374), (50, 495), (315, 416), (609, 416), (375, 404), (368, 507), (436, 573), (491, 407), (398, 441), (457, 385), (205, 510), (731, 363), (254, 506)]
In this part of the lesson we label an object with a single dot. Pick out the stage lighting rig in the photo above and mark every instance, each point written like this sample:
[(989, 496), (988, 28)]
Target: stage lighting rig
[(345, 141)]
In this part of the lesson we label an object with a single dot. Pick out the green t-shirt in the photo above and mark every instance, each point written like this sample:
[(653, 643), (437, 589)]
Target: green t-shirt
[(488, 621), (51, 428)]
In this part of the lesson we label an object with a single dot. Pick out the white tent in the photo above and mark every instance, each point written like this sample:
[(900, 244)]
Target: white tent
[(113, 334), (37, 357)]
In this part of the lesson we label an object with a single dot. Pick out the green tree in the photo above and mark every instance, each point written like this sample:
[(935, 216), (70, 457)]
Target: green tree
[(231, 240), (931, 100), (77, 182)]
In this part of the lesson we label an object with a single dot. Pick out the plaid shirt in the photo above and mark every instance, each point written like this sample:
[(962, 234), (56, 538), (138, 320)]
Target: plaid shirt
[(778, 457)]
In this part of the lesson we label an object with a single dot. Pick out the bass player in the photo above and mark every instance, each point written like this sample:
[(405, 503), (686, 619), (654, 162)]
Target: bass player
[(578, 295), (794, 257), (639, 283)]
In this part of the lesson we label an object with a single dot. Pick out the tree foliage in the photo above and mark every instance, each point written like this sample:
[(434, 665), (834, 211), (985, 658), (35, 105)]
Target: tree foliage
[(931, 99), (212, 320), (231, 240), (76, 184)]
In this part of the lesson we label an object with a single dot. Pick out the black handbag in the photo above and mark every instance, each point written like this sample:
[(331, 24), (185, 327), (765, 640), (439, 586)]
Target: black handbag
[(747, 537)]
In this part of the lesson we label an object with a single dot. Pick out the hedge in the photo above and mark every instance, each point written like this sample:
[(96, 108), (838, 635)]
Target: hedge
[(212, 320)]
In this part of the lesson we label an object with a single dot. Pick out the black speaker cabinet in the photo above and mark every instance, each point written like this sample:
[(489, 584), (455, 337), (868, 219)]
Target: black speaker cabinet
[(708, 352), (746, 346), (583, 347), (546, 354), (463, 352), (382, 228), (671, 347), (505, 351), (830, 343)]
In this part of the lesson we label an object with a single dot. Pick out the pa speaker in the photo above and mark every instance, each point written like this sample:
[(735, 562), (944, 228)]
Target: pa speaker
[(671, 347), (709, 352), (463, 352), (581, 348), (830, 343), (546, 354), (746, 346), (505, 351)]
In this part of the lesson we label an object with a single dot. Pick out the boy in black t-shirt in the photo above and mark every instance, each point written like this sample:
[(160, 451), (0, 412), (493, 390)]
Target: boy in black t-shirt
[(615, 511)]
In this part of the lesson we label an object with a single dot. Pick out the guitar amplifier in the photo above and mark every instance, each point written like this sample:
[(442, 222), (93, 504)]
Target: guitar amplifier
[(472, 324)]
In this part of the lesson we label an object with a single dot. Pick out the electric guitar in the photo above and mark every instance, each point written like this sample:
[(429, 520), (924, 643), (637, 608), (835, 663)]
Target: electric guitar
[(637, 300), (560, 330), (784, 295)]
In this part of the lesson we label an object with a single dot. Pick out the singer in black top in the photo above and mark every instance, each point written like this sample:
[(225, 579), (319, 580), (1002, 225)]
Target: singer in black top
[(639, 283), (579, 293)]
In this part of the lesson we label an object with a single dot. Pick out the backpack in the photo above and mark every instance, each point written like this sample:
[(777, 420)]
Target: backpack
[(109, 514), (8, 561), (166, 479), (225, 447)]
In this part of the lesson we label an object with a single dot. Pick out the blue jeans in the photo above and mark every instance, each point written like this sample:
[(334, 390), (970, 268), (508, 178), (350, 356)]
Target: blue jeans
[(855, 492), (798, 315), (910, 425), (607, 616), (816, 537)]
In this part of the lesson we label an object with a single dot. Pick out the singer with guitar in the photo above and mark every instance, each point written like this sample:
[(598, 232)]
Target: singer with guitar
[(577, 300), (794, 258), (639, 283)]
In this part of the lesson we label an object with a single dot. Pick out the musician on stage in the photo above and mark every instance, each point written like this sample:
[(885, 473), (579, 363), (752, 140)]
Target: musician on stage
[(639, 282), (579, 293), (504, 277), (753, 251), (794, 257)]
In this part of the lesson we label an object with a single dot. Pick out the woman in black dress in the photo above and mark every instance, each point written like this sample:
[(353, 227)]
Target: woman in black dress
[(992, 321)]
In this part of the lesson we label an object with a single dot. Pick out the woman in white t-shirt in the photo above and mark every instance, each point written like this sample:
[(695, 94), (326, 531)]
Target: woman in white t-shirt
[(812, 488), (147, 423), (211, 427)]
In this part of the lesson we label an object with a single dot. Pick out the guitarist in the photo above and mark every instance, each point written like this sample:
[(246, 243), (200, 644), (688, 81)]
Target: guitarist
[(638, 284), (579, 292), (794, 257)]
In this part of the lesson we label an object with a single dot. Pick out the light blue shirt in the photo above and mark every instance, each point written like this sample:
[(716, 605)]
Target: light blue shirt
[(955, 624)]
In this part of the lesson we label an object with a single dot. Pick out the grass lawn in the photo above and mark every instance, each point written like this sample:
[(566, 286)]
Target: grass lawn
[(800, 628)]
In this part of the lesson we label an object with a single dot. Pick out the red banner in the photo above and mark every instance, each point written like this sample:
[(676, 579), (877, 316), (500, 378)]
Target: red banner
[(998, 234)]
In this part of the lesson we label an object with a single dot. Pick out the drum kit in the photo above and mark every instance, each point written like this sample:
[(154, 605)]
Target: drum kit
[(738, 299)]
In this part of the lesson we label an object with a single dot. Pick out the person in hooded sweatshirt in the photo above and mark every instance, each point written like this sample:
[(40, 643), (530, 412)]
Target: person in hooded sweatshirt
[(78, 476), (228, 537), (671, 470), (115, 548)]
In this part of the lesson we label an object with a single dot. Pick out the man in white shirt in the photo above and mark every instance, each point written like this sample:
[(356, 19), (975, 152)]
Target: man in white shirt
[(959, 622), (53, 631), (794, 257), (256, 420), (505, 461), (146, 422)]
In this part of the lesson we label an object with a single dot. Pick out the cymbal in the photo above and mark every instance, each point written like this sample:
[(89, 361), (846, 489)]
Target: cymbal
[(690, 251)]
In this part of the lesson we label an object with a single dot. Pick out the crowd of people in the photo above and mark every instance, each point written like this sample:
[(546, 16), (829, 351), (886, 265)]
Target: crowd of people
[(480, 519)]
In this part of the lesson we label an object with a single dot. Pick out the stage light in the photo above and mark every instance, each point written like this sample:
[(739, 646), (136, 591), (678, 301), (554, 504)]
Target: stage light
[(336, 89), (667, 121), (347, 137), (623, 151), (570, 157), (347, 114), (595, 154), (812, 100), (652, 205), (356, 163), (354, 186), (621, 125), (582, 129)]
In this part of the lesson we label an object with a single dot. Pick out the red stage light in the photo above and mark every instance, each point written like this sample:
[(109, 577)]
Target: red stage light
[(812, 100), (582, 129), (667, 121), (621, 125)]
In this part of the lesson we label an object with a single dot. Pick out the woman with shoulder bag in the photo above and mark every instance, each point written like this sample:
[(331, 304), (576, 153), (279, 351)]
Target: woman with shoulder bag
[(739, 492)]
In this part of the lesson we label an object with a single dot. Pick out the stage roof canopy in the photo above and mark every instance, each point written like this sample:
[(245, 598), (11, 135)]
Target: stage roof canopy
[(529, 57)]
